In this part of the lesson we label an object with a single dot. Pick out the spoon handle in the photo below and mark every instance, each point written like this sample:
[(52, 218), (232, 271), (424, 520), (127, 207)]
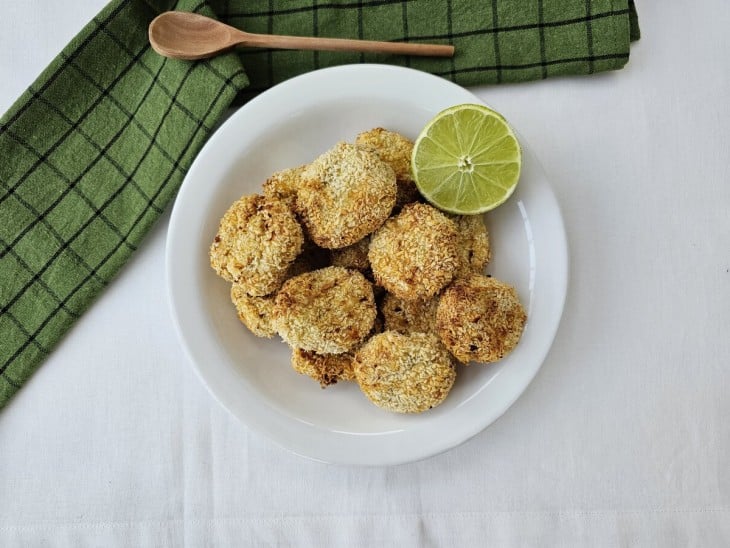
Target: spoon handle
[(342, 44)]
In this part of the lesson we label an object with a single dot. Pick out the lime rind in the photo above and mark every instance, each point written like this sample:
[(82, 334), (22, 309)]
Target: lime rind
[(482, 138)]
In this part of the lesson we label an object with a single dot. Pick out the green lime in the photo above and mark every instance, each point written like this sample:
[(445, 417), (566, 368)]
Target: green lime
[(466, 160)]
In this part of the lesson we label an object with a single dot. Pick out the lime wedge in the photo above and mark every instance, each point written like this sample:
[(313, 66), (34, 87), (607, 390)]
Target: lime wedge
[(466, 160)]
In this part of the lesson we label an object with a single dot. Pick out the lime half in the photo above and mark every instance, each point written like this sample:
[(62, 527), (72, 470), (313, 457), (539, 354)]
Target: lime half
[(466, 160)]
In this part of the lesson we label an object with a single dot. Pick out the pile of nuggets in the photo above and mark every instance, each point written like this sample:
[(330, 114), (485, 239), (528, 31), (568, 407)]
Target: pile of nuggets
[(365, 282)]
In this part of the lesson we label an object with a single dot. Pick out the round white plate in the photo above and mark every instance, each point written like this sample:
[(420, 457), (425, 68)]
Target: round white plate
[(289, 125)]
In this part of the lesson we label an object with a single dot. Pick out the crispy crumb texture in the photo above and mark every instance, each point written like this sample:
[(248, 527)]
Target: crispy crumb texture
[(258, 238), (414, 254), (283, 185), (480, 319), (404, 373), (409, 316), (254, 312), (346, 194), (353, 256), (473, 248), (326, 369), (329, 311), (396, 151)]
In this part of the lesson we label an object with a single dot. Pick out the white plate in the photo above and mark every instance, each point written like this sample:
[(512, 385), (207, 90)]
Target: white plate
[(289, 125)]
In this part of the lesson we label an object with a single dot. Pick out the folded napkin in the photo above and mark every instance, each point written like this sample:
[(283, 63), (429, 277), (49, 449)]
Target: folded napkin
[(96, 148)]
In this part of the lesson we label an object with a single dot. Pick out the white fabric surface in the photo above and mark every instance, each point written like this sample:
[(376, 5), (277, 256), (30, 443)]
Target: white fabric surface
[(623, 439)]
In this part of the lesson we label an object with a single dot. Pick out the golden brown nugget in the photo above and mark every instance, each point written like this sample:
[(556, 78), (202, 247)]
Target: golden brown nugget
[(404, 373), (326, 369), (328, 311), (345, 194), (254, 312), (413, 255), (353, 256), (283, 185), (395, 150), (473, 248), (258, 238), (480, 319), (409, 316)]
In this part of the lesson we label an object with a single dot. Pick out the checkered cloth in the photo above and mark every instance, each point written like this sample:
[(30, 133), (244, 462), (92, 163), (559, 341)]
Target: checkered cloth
[(93, 152)]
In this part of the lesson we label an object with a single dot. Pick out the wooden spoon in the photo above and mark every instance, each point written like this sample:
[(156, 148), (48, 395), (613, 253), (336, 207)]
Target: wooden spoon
[(183, 35)]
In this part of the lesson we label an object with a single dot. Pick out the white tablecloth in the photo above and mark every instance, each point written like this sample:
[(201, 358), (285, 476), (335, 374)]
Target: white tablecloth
[(622, 439)]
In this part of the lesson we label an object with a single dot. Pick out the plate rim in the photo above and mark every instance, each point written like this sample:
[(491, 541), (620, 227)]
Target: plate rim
[(253, 421)]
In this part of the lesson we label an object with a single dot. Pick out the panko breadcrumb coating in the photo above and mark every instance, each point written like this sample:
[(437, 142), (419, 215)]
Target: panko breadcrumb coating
[(345, 194), (404, 373), (326, 369), (395, 150), (353, 256), (409, 316), (480, 319), (258, 238), (473, 248), (329, 311), (283, 185), (414, 254), (254, 312)]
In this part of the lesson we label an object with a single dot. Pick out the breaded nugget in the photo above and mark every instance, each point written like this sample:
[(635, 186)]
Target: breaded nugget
[(328, 311), (404, 373), (257, 240), (480, 319), (395, 150), (473, 248), (283, 185), (254, 312), (353, 256), (345, 194), (413, 255), (409, 316), (326, 369)]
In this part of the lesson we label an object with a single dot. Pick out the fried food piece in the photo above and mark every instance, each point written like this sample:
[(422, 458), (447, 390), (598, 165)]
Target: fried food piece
[(345, 194), (328, 311), (473, 248), (413, 255), (353, 256), (283, 185), (480, 319), (258, 238), (326, 369), (409, 316), (254, 312), (404, 373), (395, 150)]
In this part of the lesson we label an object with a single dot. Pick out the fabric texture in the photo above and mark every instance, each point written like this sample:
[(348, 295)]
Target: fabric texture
[(96, 148)]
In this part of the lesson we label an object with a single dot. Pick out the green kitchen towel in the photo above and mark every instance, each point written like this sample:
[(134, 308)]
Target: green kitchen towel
[(94, 151)]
